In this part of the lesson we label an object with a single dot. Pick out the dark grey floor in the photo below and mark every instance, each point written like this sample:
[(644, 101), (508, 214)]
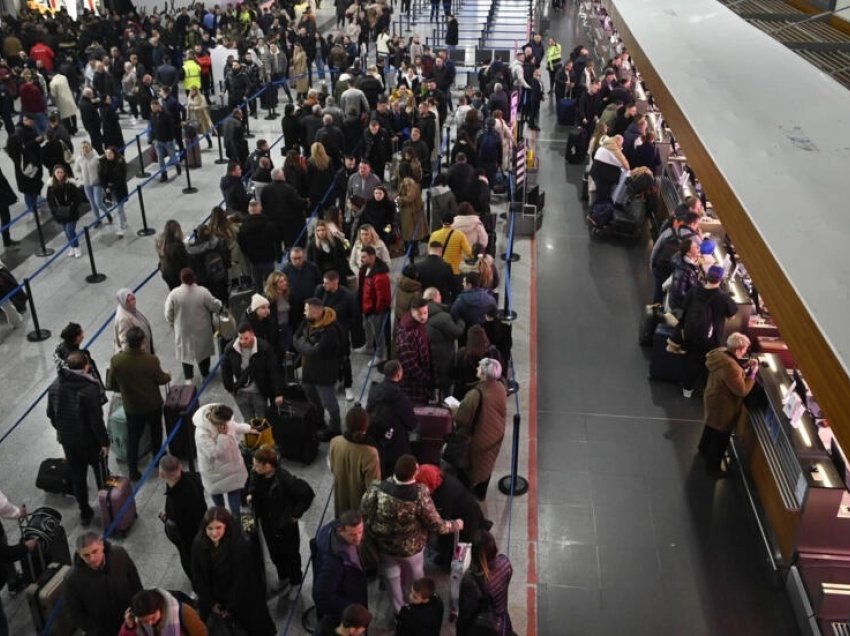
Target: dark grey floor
[(633, 537)]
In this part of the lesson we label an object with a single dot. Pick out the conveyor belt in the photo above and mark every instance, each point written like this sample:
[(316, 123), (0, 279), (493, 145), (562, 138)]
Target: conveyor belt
[(816, 41)]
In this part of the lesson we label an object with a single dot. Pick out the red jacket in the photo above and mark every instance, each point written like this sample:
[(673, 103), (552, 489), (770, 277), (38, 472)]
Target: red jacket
[(44, 53), (31, 99), (376, 293)]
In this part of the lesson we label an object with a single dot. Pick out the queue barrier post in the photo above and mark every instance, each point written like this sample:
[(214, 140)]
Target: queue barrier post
[(247, 121), (95, 276), (43, 250), (141, 174), (145, 231), (188, 189), (38, 334), (514, 484), (221, 160)]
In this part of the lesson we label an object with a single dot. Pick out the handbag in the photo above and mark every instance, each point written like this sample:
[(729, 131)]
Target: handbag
[(64, 213), (456, 452), (171, 531), (486, 620), (226, 325), (262, 434)]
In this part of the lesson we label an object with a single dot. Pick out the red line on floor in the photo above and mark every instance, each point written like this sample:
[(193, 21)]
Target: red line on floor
[(532, 449)]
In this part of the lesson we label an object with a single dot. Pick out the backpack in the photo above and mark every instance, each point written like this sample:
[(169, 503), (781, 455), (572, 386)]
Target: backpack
[(602, 212), (214, 266), (698, 323), (664, 258)]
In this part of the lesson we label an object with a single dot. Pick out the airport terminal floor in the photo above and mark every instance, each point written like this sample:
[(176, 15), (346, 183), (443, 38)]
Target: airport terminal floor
[(622, 532)]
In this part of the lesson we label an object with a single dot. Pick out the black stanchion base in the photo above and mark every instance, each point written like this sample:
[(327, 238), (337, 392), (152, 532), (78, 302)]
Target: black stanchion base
[(191, 190), (221, 162), (38, 336), (506, 316), (520, 487), (142, 175), (514, 257), (146, 232), (47, 251), (95, 278), (513, 387)]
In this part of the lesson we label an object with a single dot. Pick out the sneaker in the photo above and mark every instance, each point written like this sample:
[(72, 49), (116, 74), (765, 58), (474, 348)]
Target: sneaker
[(77, 252), (119, 232), (12, 244), (71, 252), (687, 392), (190, 382), (163, 178), (349, 395)]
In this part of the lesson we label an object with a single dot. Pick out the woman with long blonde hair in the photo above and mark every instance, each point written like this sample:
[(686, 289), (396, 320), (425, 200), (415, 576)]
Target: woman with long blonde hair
[(366, 235), (327, 251), (277, 291), (320, 175)]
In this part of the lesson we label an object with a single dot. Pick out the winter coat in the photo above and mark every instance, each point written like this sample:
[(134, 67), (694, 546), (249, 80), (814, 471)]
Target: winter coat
[(189, 309), (338, 579), (472, 228), (138, 376), (112, 174), (298, 72), (496, 589), (487, 430), (725, 391), (411, 212), (185, 505), (472, 305), (375, 290), (233, 134), (75, 409), (199, 113), (85, 167), (379, 215), (285, 208), (685, 276), (95, 600), (286, 499), (263, 365), (407, 290), (112, 133), (176, 615), (174, 258), (63, 98), (235, 196), (391, 419), (456, 247), (258, 239), (355, 464), (24, 150), (321, 345), (443, 333), (412, 351), (64, 195), (435, 272), (381, 252), (225, 575), (333, 259), (220, 462), (442, 201), (398, 517), (708, 308)]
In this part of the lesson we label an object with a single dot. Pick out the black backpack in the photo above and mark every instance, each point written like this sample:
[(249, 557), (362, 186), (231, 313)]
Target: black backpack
[(663, 262), (215, 268)]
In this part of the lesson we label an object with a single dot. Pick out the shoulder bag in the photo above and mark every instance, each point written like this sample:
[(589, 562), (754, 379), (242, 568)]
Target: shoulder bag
[(456, 452), (486, 619)]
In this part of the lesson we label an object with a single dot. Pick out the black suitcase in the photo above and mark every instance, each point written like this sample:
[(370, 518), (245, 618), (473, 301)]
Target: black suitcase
[(192, 143), (577, 142), (54, 475), (295, 426), (180, 403), (218, 113), (648, 321), (45, 525), (8, 282), (240, 302), (663, 365)]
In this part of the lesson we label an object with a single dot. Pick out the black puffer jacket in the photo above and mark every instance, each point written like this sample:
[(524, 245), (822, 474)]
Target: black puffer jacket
[(321, 345), (391, 419), (74, 408), (235, 196), (96, 599), (263, 365), (259, 240)]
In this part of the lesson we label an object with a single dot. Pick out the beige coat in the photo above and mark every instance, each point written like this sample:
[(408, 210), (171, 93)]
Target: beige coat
[(489, 430), (298, 72), (727, 386), (411, 212), (60, 93), (197, 106), (354, 465)]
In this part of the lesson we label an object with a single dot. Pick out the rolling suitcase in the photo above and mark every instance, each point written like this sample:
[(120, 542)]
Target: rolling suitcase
[(116, 428), (45, 525), (577, 142), (193, 146), (112, 497), (42, 597), (180, 405), (240, 302), (663, 365), (433, 423), (461, 559), (295, 426), (648, 321), (54, 476), (566, 111)]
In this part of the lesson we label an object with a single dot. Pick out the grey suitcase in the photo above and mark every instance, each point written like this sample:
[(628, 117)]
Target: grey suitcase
[(116, 428), (42, 597)]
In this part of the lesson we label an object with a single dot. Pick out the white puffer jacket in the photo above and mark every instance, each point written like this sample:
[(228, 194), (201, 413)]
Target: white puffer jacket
[(219, 460), (85, 167)]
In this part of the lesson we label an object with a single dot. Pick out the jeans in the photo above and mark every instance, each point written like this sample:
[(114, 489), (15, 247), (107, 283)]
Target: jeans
[(234, 502), (164, 149), (136, 423), (31, 200), (94, 193), (79, 461), (324, 395), (320, 67), (70, 229), (400, 573), (122, 216), (376, 330), (251, 404), (203, 366)]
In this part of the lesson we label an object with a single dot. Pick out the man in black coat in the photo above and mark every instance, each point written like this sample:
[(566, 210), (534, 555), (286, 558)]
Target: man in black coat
[(435, 272), (344, 302), (102, 582), (233, 132), (461, 176), (255, 385), (303, 277), (331, 137), (163, 132), (260, 244), (391, 417), (238, 85), (75, 409), (278, 499), (184, 508), (311, 122), (236, 198), (285, 208), (91, 119), (377, 149)]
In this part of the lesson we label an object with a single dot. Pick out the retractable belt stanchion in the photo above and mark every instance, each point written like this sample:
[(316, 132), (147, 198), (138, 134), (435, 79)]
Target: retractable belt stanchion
[(145, 231), (188, 189), (95, 276), (38, 334), (43, 250), (141, 174), (221, 158), (514, 484)]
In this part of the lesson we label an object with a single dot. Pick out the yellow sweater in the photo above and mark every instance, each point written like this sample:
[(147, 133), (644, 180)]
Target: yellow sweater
[(455, 250)]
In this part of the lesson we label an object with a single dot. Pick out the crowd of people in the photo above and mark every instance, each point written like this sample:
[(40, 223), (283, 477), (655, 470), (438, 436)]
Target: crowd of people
[(365, 179)]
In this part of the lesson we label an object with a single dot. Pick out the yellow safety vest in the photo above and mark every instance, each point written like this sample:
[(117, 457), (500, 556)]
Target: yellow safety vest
[(553, 56)]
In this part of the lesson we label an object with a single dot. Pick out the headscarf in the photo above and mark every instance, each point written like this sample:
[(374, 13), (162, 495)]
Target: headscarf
[(125, 318)]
